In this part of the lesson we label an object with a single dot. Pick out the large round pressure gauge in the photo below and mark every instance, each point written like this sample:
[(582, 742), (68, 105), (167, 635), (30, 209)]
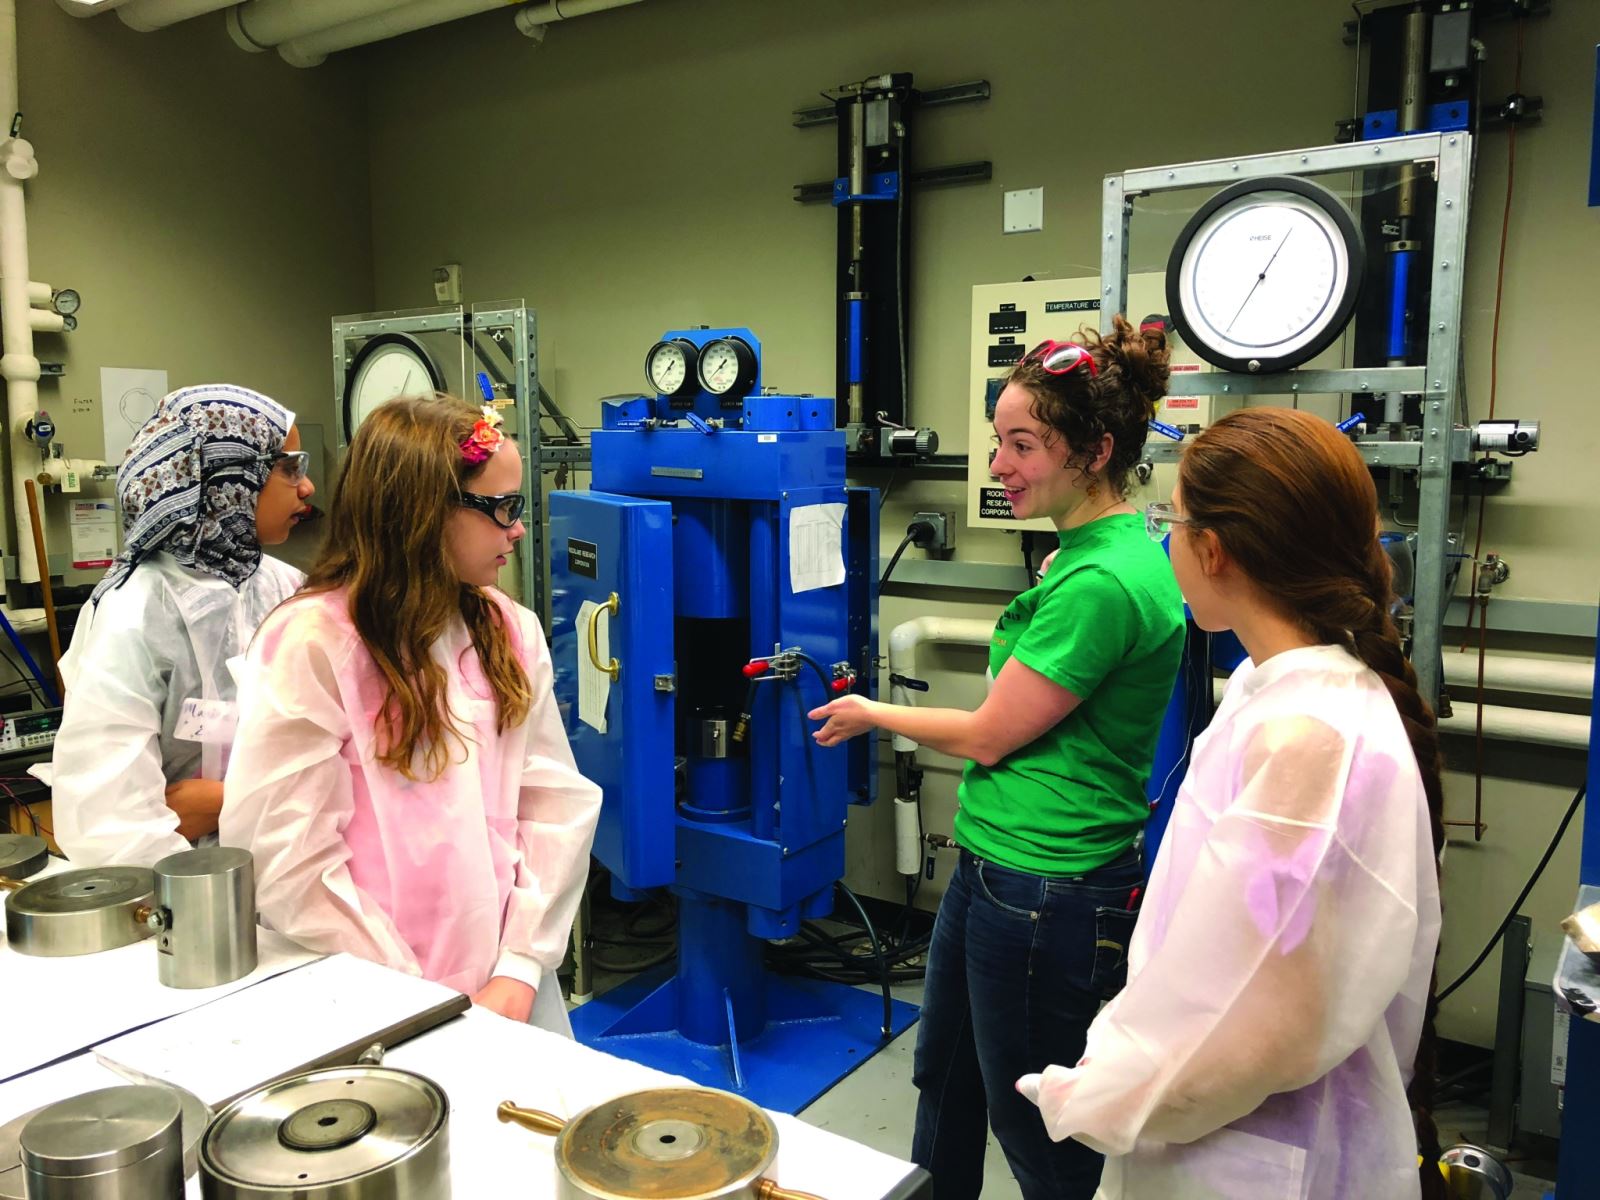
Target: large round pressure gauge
[(390, 365), (671, 367), (727, 367), (1265, 275)]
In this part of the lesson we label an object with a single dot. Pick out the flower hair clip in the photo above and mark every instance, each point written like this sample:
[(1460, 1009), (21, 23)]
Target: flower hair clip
[(486, 436)]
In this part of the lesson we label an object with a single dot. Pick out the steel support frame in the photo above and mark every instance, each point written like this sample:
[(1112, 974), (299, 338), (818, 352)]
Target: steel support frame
[(1449, 156)]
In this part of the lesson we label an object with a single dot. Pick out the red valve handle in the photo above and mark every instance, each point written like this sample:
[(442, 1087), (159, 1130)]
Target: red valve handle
[(756, 666)]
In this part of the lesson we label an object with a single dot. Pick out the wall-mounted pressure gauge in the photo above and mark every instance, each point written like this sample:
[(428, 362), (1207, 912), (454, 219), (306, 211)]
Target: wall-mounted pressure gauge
[(390, 365), (672, 367), (1264, 277), (66, 302), (727, 368)]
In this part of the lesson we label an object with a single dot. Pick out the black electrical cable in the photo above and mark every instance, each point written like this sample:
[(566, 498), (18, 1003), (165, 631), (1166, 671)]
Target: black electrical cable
[(1516, 904), (895, 557), (827, 684), (877, 950)]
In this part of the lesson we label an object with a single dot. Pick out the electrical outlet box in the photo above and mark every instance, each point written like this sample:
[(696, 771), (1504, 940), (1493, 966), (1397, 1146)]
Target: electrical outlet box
[(943, 541), (447, 283), (1024, 211)]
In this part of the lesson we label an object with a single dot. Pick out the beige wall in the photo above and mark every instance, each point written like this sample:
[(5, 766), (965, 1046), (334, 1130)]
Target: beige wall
[(634, 174), (211, 207)]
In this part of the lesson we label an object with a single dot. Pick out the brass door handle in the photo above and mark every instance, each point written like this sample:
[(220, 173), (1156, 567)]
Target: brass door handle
[(613, 668)]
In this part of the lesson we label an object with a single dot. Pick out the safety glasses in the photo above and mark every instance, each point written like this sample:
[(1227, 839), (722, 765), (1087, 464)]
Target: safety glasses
[(1160, 519), (291, 464), (1060, 358), (504, 510)]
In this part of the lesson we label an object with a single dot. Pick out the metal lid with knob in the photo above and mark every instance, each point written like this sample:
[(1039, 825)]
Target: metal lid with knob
[(80, 912), (115, 1142), (663, 1144), (338, 1133)]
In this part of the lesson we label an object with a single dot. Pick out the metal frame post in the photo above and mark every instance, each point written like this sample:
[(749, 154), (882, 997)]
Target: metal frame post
[(1450, 155)]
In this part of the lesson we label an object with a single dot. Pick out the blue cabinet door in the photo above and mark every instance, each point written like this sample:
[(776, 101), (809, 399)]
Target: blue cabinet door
[(604, 545)]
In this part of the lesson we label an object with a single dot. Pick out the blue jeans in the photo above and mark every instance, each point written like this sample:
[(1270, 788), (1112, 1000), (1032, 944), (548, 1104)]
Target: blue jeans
[(1017, 968)]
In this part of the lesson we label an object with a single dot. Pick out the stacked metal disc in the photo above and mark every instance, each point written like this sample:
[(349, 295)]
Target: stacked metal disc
[(81, 912)]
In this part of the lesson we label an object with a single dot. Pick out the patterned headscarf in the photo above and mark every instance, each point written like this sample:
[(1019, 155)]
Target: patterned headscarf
[(189, 482)]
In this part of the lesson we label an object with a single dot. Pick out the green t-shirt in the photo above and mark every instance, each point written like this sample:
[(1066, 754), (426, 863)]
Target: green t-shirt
[(1106, 623)]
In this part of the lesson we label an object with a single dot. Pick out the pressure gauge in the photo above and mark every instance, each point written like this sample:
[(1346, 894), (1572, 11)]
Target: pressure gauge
[(1264, 277), (671, 367), (66, 302), (390, 365), (727, 367)]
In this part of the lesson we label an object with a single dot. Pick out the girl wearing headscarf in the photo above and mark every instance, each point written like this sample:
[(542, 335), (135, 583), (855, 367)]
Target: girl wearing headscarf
[(216, 474)]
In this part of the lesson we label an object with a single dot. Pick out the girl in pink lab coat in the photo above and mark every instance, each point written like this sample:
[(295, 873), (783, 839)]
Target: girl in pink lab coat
[(1274, 1038), (400, 771)]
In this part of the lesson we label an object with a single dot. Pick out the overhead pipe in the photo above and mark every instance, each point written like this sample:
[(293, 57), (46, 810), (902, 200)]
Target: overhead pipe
[(18, 365), (313, 48), (1514, 673), (147, 16), (89, 8), (258, 25), (532, 20)]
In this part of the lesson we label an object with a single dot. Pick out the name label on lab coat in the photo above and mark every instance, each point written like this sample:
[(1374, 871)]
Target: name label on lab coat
[(207, 721)]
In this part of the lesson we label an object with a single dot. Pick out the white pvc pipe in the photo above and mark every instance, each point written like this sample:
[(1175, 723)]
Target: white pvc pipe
[(43, 321), (18, 366), (53, 471), (39, 294), (908, 635), (147, 16), (535, 17), (1503, 723), (311, 49), (1513, 673), (89, 8), (258, 25)]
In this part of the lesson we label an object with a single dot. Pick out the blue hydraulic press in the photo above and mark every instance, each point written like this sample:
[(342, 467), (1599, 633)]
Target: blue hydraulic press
[(717, 583)]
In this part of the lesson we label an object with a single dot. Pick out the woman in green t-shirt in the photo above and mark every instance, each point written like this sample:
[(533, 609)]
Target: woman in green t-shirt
[(1032, 932)]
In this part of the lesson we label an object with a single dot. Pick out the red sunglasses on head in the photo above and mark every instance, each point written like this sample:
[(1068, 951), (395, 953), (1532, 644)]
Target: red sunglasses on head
[(1059, 358)]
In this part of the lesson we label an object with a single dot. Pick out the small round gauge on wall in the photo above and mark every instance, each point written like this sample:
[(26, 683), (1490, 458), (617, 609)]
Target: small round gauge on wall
[(672, 368), (727, 368), (1265, 275), (390, 365), (66, 302)]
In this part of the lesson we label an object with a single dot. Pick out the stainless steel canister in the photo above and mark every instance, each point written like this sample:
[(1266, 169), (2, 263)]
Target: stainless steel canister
[(80, 912), (22, 855), (336, 1133), (120, 1143), (205, 917)]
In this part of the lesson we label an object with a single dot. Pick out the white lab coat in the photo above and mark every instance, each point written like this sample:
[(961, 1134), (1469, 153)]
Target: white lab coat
[(460, 878), (1280, 967), (163, 637)]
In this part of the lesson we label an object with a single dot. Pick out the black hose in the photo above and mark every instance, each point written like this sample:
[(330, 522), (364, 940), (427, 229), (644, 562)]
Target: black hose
[(883, 967), (1521, 896), (827, 684), (895, 557)]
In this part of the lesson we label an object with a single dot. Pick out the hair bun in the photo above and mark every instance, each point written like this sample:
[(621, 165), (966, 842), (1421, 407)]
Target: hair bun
[(1142, 356)]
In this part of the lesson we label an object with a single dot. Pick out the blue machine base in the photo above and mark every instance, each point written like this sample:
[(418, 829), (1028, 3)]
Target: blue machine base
[(816, 1034)]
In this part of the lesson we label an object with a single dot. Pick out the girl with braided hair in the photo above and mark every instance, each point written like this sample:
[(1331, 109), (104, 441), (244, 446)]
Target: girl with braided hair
[(1277, 1021)]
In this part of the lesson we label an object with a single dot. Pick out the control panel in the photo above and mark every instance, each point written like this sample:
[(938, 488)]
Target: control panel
[(27, 731), (1009, 319)]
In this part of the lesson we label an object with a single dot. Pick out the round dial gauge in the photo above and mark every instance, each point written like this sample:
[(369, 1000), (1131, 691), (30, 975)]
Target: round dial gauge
[(66, 302), (727, 367), (388, 366), (1265, 275), (671, 367)]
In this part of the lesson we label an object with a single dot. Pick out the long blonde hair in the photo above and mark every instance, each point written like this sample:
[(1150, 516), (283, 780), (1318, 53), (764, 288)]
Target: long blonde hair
[(403, 476)]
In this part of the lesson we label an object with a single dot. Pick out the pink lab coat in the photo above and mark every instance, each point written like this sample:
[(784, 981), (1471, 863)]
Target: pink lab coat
[(1279, 970), (475, 874)]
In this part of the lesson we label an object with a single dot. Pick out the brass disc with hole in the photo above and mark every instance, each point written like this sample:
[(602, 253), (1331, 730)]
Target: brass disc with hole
[(667, 1144)]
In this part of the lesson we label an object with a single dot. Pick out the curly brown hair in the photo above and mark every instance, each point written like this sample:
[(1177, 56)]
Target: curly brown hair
[(1120, 398)]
